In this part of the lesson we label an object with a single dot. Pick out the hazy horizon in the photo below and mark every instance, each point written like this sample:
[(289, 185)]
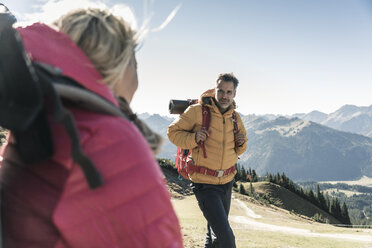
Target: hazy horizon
[(258, 114)]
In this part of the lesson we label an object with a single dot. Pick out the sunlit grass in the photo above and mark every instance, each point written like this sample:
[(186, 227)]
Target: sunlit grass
[(314, 234)]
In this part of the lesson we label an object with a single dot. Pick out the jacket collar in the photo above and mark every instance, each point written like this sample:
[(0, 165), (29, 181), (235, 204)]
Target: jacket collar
[(207, 98)]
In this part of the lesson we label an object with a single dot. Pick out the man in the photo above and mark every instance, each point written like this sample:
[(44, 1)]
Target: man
[(212, 181)]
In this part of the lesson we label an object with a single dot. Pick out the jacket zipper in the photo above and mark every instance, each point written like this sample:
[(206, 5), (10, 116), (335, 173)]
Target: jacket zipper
[(223, 142)]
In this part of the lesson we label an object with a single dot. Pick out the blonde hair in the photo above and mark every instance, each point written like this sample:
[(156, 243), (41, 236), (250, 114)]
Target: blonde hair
[(107, 40)]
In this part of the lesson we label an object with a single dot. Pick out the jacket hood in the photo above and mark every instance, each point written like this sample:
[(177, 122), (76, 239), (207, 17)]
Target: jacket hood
[(207, 94), (46, 45), (207, 98)]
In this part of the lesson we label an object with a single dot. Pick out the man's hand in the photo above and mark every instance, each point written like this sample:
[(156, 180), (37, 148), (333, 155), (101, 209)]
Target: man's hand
[(240, 138), (201, 135)]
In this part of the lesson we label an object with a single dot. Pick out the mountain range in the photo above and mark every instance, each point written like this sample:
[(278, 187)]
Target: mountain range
[(348, 118), (313, 146), (305, 150)]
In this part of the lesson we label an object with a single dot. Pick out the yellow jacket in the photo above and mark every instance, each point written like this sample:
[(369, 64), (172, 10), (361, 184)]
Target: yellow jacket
[(220, 145)]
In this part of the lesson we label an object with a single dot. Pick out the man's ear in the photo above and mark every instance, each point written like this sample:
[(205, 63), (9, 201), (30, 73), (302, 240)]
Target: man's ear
[(234, 92)]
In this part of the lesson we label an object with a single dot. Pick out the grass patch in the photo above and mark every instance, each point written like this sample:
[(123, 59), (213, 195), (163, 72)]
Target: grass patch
[(260, 233)]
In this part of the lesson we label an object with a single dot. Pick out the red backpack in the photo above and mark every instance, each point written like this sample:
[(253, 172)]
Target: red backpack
[(184, 163)]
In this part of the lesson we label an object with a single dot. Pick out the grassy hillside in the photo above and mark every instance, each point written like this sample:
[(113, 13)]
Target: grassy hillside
[(356, 194), (258, 224), (290, 201)]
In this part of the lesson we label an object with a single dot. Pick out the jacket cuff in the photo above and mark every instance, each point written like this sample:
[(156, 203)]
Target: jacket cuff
[(241, 149), (193, 142)]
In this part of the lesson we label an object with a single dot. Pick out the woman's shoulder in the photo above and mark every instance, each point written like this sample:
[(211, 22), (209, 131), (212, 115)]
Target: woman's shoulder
[(115, 145), (133, 182), (106, 129)]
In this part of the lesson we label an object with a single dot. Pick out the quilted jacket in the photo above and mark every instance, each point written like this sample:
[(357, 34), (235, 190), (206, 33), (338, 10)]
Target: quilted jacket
[(49, 204), (220, 145)]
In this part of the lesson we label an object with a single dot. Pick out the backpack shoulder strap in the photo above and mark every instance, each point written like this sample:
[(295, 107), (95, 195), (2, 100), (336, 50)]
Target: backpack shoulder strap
[(236, 128), (206, 112), (58, 87), (63, 116), (20, 108), (69, 89), (235, 120), (206, 117)]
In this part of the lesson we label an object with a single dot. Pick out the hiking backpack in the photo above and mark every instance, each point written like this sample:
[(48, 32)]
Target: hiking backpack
[(184, 163), (29, 91)]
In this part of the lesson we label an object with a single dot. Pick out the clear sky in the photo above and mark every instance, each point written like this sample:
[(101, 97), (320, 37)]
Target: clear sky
[(290, 56)]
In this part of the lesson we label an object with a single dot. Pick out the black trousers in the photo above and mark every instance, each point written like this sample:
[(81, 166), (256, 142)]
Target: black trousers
[(214, 201)]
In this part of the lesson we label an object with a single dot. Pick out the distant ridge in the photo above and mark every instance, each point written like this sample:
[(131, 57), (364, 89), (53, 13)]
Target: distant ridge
[(350, 118), (303, 149)]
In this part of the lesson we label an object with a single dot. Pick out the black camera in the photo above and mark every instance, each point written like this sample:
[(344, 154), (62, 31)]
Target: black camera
[(179, 106)]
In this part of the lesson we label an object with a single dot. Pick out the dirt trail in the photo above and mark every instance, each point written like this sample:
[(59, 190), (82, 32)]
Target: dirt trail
[(250, 221)]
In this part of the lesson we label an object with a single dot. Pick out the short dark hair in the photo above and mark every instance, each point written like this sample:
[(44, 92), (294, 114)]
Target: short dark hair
[(228, 77)]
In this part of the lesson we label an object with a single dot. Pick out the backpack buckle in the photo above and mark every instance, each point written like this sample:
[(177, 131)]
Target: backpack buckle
[(219, 173)]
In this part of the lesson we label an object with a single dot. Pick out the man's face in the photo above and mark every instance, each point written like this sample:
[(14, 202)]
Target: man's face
[(225, 94)]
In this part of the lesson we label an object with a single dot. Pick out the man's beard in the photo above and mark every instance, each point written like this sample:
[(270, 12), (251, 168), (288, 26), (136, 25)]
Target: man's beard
[(225, 103)]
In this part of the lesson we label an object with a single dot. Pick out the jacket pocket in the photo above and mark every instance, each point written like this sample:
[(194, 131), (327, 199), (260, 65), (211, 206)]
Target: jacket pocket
[(196, 155)]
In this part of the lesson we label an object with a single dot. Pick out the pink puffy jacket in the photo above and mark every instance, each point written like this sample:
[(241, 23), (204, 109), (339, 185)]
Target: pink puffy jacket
[(49, 204)]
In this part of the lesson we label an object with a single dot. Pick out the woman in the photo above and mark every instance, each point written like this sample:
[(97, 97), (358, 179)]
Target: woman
[(49, 204)]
